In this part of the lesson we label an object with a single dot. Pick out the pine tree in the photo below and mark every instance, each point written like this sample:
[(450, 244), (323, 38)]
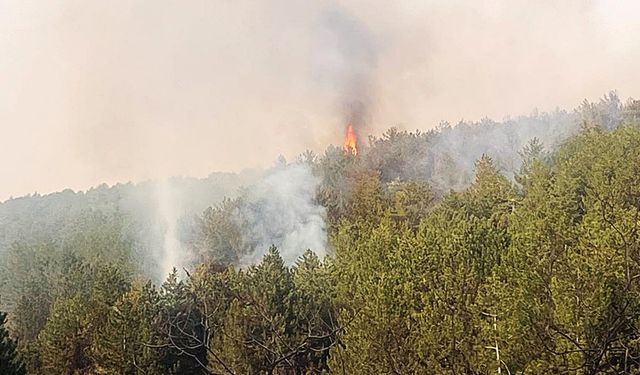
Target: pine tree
[(63, 343), (10, 363), (182, 324), (269, 313), (128, 342)]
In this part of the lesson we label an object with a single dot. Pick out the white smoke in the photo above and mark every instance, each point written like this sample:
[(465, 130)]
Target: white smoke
[(172, 253), (281, 210)]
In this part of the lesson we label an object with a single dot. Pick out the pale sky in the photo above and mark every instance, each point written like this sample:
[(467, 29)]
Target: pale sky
[(114, 91)]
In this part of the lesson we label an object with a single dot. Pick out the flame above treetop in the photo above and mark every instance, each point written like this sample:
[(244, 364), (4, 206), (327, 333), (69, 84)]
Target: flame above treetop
[(351, 141)]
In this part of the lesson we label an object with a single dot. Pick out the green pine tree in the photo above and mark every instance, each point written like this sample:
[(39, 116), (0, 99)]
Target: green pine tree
[(10, 363)]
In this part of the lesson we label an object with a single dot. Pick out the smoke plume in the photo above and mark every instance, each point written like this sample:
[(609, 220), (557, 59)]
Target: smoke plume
[(281, 210), (348, 61), (171, 254)]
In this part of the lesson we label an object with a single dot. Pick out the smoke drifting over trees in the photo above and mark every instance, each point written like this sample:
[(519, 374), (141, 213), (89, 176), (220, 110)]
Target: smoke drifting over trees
[(281, 210), (284, 205)]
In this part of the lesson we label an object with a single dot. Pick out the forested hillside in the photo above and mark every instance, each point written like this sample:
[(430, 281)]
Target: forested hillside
[(126, 212), (481, 248)]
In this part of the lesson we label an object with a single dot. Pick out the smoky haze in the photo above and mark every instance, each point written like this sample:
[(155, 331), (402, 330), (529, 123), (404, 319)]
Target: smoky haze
[(280, 210), (103, 91)]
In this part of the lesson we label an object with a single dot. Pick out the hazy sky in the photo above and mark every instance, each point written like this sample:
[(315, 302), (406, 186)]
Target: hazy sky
[(107, 91)]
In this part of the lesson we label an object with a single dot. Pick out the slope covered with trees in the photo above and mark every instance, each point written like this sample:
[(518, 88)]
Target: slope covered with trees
[(529, 270)]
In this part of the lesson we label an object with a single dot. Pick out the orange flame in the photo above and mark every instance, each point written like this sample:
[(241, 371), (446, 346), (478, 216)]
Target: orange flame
[(351, 141)]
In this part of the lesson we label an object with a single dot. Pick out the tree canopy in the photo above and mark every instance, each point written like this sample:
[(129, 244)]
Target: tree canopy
[(434, 265)]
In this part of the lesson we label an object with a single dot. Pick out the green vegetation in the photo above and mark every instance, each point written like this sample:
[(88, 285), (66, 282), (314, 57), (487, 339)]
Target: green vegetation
[(10, 363), (535, 274)]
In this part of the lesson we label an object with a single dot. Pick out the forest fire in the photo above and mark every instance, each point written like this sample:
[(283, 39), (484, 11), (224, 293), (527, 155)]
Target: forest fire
[(351, 141)]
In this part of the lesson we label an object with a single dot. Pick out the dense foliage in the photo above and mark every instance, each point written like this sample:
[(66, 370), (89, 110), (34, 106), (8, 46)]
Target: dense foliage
[(539, 273), (10, 363)]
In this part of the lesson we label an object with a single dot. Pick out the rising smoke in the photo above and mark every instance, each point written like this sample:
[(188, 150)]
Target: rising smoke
[(280, 210), (171, 253), (275, 207), (348, 62)]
